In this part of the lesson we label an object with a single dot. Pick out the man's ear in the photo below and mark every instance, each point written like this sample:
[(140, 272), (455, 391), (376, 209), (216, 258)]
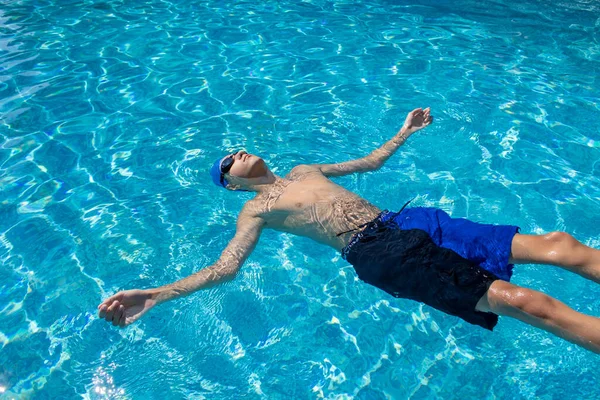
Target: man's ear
[(231, 186)]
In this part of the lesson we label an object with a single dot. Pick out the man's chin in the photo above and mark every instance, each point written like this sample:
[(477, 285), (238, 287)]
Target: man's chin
[(258, 169)]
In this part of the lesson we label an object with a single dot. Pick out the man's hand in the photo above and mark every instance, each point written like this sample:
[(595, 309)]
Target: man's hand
[(126, 307), (417, 119)]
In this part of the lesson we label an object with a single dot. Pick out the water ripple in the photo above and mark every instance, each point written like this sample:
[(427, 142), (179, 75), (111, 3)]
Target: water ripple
[(111, 114)]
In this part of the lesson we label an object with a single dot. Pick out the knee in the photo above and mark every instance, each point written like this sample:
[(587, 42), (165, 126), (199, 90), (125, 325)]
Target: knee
[(560, 238), (536, 304), (517, 301), (560, 245)]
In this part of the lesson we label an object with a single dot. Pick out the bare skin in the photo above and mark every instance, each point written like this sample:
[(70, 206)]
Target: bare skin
[(306, 203)]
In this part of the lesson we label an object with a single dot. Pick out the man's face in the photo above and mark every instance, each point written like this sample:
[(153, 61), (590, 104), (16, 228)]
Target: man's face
[(247, 166)]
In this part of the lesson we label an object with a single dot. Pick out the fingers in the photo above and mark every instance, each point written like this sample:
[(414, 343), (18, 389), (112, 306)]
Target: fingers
[(122, 321), (428, 118), (419, 112), (110, 311), (114, 313), (118, 315), (102, 310), (108, 302)]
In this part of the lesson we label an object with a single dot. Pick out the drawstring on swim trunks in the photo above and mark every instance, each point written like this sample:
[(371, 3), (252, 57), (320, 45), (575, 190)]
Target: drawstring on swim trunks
[(367, 223)]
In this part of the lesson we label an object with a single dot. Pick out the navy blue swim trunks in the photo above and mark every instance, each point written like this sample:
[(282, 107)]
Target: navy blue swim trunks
[(484, 244), (425, 255)]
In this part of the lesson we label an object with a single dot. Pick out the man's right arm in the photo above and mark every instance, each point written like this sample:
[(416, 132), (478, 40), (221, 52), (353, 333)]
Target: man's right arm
[(128, 306), (416, 119)]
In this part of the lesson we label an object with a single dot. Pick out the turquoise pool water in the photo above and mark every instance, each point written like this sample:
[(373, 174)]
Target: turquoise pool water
[(111, 113)]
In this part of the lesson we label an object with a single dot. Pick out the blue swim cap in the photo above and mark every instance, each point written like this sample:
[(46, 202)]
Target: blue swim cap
[(215, 174)]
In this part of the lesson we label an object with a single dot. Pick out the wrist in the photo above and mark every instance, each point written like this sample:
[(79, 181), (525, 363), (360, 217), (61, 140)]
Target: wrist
[(403, 134), (159, 295)]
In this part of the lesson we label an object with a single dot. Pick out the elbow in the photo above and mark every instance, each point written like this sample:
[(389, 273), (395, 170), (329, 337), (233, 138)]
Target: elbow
[(374, 166), (224, 271), (368, 164), (230, 275)]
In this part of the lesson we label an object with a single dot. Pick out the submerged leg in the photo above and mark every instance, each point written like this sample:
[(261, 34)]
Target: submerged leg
[(557, 248), (542, 311)]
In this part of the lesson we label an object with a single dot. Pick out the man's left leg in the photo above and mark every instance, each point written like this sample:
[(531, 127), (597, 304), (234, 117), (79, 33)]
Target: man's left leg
[(557, 248), (542, 311)]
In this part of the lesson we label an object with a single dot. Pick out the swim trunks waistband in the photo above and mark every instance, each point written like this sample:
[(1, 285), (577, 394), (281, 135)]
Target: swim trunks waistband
[(374, 224), (379, 220)]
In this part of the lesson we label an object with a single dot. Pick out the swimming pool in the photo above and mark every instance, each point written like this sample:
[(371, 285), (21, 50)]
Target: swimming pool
[(112, 112)]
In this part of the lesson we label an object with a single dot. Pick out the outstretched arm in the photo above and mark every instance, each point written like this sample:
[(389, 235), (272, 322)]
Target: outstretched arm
[(417, 119), (128, 306)]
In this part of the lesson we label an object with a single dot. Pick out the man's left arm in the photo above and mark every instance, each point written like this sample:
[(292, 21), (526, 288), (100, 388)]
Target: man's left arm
[(417, 119), (128, 306)]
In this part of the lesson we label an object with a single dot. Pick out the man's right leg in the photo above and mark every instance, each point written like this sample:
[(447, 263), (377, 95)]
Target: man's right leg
[(542, 311), (557, 248)]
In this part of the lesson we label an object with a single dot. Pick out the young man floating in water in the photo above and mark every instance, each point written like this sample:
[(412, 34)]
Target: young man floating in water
[(457, 266)]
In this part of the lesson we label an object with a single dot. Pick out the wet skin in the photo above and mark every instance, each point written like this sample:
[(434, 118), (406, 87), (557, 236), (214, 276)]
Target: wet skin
[(304, 202)]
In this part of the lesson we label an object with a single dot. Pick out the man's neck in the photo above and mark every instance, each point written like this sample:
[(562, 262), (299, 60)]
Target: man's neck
[(264, 184)]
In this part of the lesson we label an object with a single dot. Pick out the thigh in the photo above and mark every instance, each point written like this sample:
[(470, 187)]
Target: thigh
[(527, 249), (505, 298), (488, 245), (424, 218), (542, 311)]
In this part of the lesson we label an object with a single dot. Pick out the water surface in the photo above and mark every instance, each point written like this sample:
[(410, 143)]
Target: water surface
[(112, 112)]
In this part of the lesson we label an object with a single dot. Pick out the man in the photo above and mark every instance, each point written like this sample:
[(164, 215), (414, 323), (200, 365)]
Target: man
[(457, 266)]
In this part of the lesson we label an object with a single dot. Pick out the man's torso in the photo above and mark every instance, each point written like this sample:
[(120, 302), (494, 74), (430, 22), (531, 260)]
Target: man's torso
[(306, 203)]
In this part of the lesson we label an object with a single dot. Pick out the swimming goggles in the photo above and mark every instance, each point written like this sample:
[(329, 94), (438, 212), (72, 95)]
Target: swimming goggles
[(226, 165)]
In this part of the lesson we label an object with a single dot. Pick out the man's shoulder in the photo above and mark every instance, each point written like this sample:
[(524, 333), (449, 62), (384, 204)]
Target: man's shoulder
[(251, 209), (303, 168), (251, 213)]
